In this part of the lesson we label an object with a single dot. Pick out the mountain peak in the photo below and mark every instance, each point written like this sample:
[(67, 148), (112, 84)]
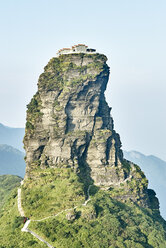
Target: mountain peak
[(69, 126), (79, 191)]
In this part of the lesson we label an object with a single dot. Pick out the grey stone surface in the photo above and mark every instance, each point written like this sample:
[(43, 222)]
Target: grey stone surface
[(76, 128), (69, 125)]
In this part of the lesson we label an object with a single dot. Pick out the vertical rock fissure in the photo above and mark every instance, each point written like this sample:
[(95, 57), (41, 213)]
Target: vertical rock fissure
[(73, 151), (75, 128), (108, 145), (67, 116), (84, 168)]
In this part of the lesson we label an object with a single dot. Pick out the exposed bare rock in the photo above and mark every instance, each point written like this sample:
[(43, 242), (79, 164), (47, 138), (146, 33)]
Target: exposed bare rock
[(71, 215), (69, 125), (89, 213)]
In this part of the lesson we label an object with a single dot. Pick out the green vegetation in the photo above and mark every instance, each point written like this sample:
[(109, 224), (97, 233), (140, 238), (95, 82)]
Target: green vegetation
[(105, 223), (134, 188), (62, 74), (10, 226), (126, 166), (34, 114), (50, 191), (57, 71), (77, 133), (53, 198), (7, 184), (139, 183)]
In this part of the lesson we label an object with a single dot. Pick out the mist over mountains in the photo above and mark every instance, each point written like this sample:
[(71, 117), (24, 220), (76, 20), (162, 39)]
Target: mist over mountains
[(11, 161), (12, 136), (11, 151)]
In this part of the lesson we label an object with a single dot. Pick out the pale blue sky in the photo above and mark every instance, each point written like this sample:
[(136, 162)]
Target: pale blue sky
[(130, 32)]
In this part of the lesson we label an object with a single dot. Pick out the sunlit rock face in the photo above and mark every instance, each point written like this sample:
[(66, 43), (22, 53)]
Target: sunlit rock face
[(69, 125)]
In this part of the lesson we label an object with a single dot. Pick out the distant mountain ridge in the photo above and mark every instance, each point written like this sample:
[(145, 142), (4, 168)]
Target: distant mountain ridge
[(11, 161), (154, 167), (155, 171), (12, 136), (77, 182)]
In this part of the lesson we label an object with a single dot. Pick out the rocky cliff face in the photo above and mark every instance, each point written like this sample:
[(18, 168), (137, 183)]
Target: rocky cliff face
[(69, 125)]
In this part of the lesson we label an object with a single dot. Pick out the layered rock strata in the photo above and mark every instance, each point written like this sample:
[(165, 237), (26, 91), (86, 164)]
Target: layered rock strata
[(69, 125)]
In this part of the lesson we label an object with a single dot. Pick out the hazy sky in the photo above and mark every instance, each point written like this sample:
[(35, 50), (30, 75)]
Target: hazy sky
[(132, 33)]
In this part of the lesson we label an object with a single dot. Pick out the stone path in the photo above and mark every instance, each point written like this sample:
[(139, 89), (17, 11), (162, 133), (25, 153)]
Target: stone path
[(25, 227), (20, 209), (38, 237)]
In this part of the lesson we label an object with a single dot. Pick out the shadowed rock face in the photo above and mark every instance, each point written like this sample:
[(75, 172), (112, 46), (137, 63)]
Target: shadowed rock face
[(69, 125), (73, 126)]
